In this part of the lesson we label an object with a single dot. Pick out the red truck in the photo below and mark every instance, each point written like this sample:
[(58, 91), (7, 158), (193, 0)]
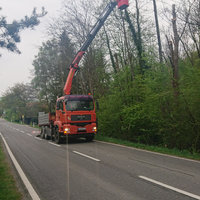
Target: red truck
[(75, 114)]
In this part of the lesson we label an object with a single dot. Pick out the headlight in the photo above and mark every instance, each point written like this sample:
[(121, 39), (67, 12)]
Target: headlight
[(94, 129), (67, 130)]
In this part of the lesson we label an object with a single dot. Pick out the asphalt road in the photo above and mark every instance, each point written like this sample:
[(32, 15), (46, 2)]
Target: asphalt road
[(99, 171)]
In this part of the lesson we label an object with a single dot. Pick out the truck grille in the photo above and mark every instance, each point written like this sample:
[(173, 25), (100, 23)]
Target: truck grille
[(80, 124), (80, 117)]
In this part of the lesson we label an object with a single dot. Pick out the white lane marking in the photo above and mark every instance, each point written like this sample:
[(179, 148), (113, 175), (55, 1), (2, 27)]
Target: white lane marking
[(97, 160), (54, 144), (19, 132), (25, 180), (160, 154), (29, 134), (22, 131), (171, 188), (36, 132), (37, 138)]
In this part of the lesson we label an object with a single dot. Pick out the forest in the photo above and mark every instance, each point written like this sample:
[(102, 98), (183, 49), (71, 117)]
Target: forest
[(143, 68)]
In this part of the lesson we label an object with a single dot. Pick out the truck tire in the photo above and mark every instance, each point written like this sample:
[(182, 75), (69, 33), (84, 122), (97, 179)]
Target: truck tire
[(52, 134), (89, 138), (57, 136), (42, 132), (46, 136)]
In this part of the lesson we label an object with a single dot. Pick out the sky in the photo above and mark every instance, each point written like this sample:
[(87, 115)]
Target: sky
[(15, 68)]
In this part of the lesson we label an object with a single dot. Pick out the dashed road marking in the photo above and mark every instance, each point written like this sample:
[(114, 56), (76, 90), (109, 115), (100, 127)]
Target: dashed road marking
[(37, 138), (54, 144), (29, 134), (84, 155), (170, 187)]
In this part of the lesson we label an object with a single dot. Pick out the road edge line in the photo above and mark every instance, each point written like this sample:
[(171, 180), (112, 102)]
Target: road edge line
[(25, 180), (148, 151), (194, 196)]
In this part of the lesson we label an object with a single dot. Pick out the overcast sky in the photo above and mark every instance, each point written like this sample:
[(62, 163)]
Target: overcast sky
[(16, 68)]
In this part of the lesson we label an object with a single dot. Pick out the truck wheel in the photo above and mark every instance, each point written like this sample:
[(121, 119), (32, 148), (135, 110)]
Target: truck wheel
[(89, 138), (57, 136), (42, 132), (52, 137), (46, 136)]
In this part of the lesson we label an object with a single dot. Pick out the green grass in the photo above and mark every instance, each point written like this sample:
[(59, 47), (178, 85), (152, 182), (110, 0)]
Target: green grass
[(174, 152), (8, 189)]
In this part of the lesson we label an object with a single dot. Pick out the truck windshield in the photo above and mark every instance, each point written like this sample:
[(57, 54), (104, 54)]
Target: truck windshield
[(79, 105)]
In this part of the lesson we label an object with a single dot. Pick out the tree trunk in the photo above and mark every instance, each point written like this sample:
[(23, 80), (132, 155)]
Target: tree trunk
[(110, 52), (140, 48), (158, 31), (127, 47), (117, 62), (137, 41), (176, 46)]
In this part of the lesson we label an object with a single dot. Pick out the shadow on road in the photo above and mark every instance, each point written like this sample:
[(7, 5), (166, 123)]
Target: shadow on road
[(72, 141)]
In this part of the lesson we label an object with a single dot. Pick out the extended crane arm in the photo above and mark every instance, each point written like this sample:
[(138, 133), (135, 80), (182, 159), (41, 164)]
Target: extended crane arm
[(122, 4)]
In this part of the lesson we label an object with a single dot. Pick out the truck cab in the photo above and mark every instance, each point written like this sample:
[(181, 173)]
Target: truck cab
[(75, 117)]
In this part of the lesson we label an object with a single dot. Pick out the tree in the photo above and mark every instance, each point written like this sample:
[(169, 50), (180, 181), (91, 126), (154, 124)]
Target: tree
[(51, 67), (137, 38), (1, 108), (158, 31), (10, 32), (19, 103), (14, 101), (95, 79), (174, 52)]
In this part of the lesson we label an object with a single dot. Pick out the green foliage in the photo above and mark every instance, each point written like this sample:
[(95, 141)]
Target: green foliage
[(145, 110), (1, 108), (18, 102), (14, 102)]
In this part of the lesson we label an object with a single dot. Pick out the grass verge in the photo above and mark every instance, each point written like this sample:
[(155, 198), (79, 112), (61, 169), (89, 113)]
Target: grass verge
[(174, 152), (8, 188)]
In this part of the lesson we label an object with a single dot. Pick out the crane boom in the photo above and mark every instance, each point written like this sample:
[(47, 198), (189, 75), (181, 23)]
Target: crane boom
[(122, 4)]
